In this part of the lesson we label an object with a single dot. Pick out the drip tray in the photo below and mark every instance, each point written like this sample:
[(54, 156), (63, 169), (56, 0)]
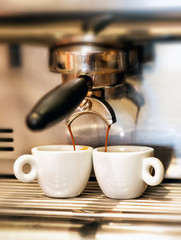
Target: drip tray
[(158, 204)]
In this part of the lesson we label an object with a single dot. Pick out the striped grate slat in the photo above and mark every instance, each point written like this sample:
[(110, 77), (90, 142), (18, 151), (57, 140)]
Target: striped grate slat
[(160, 203)]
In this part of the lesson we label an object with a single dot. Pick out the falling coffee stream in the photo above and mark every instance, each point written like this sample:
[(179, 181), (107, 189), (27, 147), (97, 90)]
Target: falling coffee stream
[(137, 115), (108, 128), (107, 134), (73, 142), (72, 137)]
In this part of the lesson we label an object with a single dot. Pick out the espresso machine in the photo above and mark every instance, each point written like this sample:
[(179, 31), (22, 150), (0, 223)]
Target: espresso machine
[(95, 65), (92, 65)]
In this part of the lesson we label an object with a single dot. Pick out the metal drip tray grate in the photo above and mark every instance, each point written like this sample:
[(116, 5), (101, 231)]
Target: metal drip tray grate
[(160, 203)]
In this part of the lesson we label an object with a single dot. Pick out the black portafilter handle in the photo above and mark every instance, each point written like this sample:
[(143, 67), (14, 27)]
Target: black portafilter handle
[(58, 103)]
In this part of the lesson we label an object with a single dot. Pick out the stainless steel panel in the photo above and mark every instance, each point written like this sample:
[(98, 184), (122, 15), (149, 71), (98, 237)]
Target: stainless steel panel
[(36, 24), (26, 212), (160, 203), (158, 123), (20, 88)]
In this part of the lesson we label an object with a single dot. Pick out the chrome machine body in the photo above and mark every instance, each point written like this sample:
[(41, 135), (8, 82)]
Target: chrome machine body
[(123, 59), (123, 49)]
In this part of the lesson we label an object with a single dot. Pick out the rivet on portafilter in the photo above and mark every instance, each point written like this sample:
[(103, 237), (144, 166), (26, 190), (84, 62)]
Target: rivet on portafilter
[(90, 68)]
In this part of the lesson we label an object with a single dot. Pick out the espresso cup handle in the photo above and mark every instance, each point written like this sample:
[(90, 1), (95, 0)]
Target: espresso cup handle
[(18, 168), (146, 171)]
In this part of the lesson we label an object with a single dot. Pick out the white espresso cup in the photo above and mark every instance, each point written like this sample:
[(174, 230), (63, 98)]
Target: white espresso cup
[(124, 172), (61, 171)]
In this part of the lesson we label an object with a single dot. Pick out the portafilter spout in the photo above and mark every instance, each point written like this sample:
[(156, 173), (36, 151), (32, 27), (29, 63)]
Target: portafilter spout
[(95, 106), (57, 104)]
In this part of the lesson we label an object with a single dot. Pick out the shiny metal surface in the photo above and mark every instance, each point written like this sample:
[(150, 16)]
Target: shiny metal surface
[(94, 106), (119, 23), (19, 229), (125, 21), (158, 123), (161, 203), (48, 34), (84, 58), (27, 214), (24, 206)]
